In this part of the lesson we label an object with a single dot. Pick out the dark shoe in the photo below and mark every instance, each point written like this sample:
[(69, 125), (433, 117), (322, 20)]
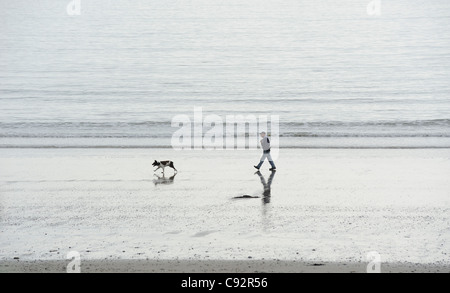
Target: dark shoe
[(272, 169), (256, 168)]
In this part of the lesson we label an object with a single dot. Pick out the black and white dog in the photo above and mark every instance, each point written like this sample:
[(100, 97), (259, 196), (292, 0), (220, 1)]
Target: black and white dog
[(163, 164)]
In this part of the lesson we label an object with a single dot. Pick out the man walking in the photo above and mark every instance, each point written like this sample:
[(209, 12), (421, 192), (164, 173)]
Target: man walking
[(265, 144)]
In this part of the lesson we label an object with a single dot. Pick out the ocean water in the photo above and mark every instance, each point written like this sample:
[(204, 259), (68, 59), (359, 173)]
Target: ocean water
[(118, 73)]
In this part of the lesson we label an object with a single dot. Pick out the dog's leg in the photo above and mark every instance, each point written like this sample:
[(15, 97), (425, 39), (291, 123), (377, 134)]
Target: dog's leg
[(173, 166), (157, 168)]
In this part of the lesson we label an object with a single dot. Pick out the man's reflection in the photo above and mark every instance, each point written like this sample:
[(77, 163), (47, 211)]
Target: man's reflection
[(266, 223), (266, 192)]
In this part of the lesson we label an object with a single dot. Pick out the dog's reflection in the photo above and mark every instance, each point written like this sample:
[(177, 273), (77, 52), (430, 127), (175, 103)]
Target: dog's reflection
[(163, 179), (266, 193)]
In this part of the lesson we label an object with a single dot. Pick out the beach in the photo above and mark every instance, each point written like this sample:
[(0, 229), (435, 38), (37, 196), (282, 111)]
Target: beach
[(354, 95), (214, 266), (326, 211)]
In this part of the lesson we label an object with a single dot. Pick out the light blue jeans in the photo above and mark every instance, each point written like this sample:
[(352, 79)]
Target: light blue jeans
[(263, 158)]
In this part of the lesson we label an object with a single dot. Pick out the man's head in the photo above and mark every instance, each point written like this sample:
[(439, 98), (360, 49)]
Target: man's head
[(262, 134)]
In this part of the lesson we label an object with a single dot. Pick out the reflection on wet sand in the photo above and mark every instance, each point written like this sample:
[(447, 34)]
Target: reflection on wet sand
[(266, 196), (266, 192), (163, 179)]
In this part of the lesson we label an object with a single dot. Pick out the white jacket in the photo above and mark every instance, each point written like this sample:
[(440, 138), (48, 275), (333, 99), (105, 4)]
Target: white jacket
[(265, 143)]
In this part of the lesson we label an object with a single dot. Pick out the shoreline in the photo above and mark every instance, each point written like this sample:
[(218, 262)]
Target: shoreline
[(222, 150), (213, 266), (282, 142)]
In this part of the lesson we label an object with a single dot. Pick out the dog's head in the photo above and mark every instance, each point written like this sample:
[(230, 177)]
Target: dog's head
[(155, 163)]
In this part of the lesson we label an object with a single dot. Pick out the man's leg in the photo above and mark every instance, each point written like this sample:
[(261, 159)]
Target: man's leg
[(261, 161), (269, 157)]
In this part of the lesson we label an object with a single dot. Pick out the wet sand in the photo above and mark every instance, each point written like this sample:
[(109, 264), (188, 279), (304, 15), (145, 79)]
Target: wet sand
[(213, 266), (322, 206)]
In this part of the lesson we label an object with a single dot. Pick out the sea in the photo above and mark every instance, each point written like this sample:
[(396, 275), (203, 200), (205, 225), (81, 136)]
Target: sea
[(115, 73)]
